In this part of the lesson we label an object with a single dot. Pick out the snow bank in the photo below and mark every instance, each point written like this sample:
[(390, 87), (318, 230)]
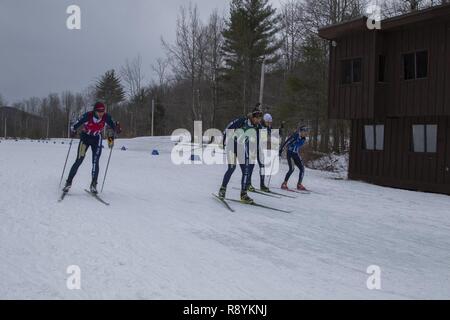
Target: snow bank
[(335, 163)]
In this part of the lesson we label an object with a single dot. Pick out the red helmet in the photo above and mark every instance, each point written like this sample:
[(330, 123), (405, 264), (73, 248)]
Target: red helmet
[(99, 107)]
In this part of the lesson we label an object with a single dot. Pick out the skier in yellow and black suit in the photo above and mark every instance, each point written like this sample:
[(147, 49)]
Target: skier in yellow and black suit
[(245, 128)]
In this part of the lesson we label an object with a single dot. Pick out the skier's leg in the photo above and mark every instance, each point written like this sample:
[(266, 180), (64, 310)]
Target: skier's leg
[(228, 174), (96, 154), (231, 158), (291, 167), (250, 162), (299, 163), (261, 170), (250, 168), (246, 168), (81, 153)]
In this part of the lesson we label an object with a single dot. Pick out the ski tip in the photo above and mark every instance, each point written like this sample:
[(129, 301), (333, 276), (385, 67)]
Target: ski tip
[(224, 202), (97, 197)]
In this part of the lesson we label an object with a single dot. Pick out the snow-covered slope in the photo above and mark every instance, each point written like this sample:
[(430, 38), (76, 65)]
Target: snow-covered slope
[(165, 237)]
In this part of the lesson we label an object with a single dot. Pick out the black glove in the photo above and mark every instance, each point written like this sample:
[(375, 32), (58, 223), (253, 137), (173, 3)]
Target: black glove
[(73, 133)]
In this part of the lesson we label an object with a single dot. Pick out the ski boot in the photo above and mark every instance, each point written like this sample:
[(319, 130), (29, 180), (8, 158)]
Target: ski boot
[(222, 193), (245, 198), (265, 189), (284, 186), (300, 187), (67, 187), (251, 188), (93, 187)]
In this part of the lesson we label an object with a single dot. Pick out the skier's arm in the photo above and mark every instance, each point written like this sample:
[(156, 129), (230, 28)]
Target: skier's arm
[(110, 122), (287, 142), (236, 124), (114, 125), (83, 119)]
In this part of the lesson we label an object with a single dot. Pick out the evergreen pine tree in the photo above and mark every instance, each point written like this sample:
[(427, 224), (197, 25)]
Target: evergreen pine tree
[(109, 89), (249, 38)]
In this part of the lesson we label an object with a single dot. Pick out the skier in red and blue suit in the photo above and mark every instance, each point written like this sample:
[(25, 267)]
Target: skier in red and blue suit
[(93, 123)]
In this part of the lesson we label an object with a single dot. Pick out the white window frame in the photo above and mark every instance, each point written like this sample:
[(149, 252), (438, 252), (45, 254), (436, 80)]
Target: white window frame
[(377, 137), (424, 145)]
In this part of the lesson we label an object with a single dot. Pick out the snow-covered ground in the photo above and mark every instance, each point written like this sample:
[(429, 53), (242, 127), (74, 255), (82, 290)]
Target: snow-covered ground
[(165, 237)]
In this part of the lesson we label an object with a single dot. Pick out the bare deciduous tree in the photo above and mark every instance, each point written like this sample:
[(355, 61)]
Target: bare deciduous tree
[(68, 105), (131, 73), (187, 54), (293, 32), (214, 59), (160, 69), (320, 13), (392, 8)]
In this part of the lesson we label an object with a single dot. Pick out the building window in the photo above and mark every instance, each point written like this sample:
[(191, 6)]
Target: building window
[(357, 70), (381, 68), (379, 137), (425, 138), (422, 64), (415, 65), (347, 71), (351, 71), (374, 137)]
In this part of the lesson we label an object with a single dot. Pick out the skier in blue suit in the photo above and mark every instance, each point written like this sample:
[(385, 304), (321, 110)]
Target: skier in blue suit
[(294, 144)]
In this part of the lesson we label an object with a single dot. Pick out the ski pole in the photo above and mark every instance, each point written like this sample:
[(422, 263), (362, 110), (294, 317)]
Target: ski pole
[(107, 166), (65, 164), (271, 171)]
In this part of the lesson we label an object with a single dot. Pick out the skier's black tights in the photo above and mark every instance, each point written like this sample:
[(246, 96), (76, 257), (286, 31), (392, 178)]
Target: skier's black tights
[(245, 174), (86, 141), (294, 159), (246, 168)]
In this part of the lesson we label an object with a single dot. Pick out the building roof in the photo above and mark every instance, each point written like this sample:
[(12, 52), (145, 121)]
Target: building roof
[(11, 111), (359, 24)]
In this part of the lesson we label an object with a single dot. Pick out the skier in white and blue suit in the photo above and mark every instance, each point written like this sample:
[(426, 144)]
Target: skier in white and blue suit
[(245, 131), (294, 144), (263, 134)]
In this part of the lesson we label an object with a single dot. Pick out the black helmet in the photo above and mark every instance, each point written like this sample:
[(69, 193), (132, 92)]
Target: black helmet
[(257, 112)]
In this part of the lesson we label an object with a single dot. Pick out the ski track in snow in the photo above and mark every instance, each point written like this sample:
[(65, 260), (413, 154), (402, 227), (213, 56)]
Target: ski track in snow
[(165, 237)]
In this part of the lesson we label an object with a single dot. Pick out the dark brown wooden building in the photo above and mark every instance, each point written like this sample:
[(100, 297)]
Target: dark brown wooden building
[(394, 86)]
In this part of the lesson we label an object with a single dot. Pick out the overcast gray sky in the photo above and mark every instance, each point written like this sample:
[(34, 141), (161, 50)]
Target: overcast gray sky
[(39, 55)]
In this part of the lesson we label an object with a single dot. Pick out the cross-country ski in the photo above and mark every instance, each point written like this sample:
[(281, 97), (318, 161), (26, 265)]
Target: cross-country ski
[(260, 192), (224, 202), (277, 194), (96, 196), (254, 204)]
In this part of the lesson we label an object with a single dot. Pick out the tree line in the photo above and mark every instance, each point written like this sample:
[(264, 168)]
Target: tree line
[(212, 72)]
